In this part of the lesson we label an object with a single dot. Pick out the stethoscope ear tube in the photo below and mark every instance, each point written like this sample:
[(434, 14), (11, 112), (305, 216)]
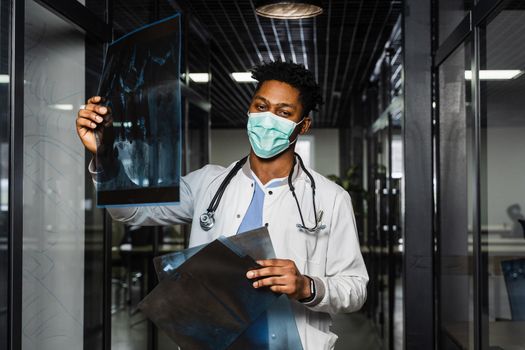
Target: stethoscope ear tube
[(302, 225)]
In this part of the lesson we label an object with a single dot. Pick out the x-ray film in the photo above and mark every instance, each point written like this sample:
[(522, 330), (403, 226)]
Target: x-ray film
[(256, 243), (139, 143), (274, 329), (208, 302)]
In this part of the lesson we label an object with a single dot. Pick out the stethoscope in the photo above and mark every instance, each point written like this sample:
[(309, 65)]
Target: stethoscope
[(207, 219)]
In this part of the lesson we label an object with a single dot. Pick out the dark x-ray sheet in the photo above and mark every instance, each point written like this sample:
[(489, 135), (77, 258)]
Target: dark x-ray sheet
[(207, 302), (274, 329), (139, 143), (256, 243)]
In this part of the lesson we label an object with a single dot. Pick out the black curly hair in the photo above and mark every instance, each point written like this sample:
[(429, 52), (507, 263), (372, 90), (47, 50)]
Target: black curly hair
[(295, 75)]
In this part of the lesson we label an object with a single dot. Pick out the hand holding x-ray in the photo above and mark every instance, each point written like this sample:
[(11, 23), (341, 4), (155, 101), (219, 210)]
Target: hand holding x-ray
[(96, 131), (281, 276), (91, 119)]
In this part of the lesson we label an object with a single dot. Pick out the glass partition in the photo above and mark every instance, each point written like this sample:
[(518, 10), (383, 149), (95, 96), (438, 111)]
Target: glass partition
[(53, 181), (502, 188), (455, 239)]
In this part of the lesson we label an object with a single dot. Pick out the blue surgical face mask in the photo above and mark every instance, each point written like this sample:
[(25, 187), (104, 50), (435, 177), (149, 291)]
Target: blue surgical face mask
[(269, 134)]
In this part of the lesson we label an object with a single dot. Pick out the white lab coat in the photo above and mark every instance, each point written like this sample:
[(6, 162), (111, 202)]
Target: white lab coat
[(332, 254)]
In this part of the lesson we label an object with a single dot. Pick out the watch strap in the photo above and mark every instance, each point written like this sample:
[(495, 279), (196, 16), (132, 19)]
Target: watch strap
[(312, 291)]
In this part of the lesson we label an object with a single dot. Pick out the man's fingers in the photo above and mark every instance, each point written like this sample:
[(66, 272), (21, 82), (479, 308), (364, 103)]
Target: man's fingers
[(96, 108), (265, 271), (86, 123), (270, 281), (84, 113), (274, 262), (94, 99)]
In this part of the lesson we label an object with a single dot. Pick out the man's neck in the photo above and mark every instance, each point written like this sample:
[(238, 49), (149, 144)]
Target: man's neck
[(274, 168)]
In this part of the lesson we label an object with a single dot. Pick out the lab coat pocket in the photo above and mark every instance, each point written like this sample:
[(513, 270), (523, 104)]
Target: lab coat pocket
[(307, 246), (319, 340), (307, 266)]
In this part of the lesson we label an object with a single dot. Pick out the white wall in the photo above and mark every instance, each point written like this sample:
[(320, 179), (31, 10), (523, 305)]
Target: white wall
[(229, 145), (506, 173)]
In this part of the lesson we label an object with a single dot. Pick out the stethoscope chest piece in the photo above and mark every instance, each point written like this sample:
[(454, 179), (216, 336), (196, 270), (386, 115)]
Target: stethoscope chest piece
[(207, 221)]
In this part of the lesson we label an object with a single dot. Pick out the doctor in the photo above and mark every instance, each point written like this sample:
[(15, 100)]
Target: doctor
[(310, 218)]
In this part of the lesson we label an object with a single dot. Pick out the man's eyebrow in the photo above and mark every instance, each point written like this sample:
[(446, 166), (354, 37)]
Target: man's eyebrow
[(259, 97), (262, 98)]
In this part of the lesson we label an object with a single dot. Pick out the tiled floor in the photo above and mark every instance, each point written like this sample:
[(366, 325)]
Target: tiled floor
[(124, 335)]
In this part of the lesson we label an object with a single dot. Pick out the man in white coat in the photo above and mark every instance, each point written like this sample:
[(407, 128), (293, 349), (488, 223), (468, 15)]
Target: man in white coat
[(310, 219)]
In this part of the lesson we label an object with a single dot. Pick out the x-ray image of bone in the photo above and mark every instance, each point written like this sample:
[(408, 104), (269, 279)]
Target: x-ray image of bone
[(141, 88)]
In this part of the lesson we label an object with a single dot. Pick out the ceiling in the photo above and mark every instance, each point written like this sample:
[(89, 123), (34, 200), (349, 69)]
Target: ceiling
[(340, 46), (505, 49)]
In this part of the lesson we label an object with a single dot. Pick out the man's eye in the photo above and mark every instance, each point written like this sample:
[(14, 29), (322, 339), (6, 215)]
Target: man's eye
[(285, 113), (260, 107)]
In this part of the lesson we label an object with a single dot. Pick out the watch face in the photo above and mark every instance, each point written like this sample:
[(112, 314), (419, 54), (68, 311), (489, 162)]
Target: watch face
[(312, 287)]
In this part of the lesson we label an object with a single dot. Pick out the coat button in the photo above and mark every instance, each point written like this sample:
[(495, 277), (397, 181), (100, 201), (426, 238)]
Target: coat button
[(238, 216), (270, 192), (266, 224)]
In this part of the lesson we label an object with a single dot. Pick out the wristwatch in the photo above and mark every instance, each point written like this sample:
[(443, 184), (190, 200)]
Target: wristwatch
[(312, 292)]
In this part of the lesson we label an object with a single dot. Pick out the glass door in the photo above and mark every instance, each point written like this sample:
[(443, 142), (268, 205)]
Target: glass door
[(502, 189), (455, 210)]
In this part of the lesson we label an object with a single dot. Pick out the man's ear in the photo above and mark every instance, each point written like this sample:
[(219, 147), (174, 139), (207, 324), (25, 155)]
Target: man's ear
[(305, 126)]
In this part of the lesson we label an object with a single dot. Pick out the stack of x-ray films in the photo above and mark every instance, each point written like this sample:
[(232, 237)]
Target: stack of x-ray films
[(205, 301)]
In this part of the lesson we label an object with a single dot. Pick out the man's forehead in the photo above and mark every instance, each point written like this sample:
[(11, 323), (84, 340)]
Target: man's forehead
[(276, 102), (276, 92)]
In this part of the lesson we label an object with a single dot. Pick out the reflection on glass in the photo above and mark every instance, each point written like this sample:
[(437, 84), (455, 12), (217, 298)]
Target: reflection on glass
[(455, 219), (502, 177), (53, 183)]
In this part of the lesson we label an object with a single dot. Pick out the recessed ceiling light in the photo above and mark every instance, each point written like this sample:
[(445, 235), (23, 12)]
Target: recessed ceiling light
[(243, 77), (4, 79), (495, 74), (289, 9), (200, 77)]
